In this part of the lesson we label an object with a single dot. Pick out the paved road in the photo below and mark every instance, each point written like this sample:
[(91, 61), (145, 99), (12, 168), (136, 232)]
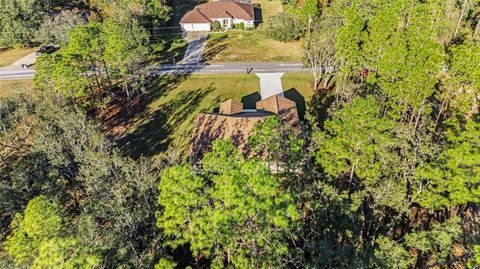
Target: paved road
[(15, 74), (184, 69), (232, 68)]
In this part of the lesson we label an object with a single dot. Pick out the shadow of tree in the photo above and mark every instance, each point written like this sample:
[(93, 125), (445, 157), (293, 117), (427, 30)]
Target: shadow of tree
[(169, 55), (299, 100), (214, 46), (320, 103), (154, 134)]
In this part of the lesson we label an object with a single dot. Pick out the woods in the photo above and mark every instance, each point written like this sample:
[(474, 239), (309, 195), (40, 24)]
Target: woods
[(385, 172)]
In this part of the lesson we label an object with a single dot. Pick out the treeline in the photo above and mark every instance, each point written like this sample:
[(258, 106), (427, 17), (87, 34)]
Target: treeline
[(68, 199), (104, 45), (25, 23)]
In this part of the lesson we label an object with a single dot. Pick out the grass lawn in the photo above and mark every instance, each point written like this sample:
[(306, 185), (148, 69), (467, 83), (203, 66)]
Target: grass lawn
[(250, 46), (174, 51), (9, 56), (171, 106), (268, 7), (11, 87)]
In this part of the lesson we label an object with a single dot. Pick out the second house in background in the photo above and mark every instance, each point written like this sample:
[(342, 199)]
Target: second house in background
[(223, 14)]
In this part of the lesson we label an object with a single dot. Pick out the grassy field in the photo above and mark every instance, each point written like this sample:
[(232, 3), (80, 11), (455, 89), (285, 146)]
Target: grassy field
[(165, 121), (9, 56), (174, 51), (268, 7), (11, 87), (249, 46), (252, 46)]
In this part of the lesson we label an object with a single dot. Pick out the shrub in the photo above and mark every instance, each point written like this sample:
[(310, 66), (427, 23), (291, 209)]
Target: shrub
[(283, 27), (216, 26), (158, 47), (240, 26), (289, 2)]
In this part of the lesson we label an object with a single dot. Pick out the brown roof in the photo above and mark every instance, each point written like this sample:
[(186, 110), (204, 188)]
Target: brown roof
[(218, 10), (286, 108), (195, 17), (209, 127), (231, 107), (240, 126)]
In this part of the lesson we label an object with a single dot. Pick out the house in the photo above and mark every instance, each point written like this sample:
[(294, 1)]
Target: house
[(237, 124), (227, 13)]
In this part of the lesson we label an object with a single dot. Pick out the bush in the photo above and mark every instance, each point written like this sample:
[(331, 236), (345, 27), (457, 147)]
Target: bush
[(283, 27), (240, 26), (289, 2), (158, 47), (216, 26)]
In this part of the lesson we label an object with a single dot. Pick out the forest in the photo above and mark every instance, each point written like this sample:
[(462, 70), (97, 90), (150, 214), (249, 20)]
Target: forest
[(385, 172)]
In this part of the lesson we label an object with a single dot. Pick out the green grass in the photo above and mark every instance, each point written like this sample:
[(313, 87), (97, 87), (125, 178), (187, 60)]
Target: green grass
[(174, 51), (250, 46), (269, 7), (9, 56), (165, 122), (11, 87)]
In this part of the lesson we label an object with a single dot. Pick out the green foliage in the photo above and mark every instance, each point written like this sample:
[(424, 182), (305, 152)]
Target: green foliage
[(37, 239), (239, 26), (96, 55), (391, 254), (60, 153), (234, 212), (475, 261), (216, 25), (20, 19), (309, 11), (165, 264), (454, 177), (462, 83), (436, 244), (404, 57), (359, 146), (124, 45), (278, 144), (283, 27)]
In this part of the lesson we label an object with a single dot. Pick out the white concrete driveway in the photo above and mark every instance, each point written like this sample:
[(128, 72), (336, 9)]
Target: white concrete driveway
[(196, 47), (270, 84), (28, 60)]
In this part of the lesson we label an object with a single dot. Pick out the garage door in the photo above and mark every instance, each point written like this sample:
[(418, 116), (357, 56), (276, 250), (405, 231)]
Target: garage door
[(196, 27)]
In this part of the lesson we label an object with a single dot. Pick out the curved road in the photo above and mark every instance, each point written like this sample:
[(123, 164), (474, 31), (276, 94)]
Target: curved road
[(185, 69)]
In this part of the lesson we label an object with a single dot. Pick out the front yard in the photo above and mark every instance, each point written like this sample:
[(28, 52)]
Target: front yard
[(9, 56), (250, 46), (165, 120), (12, 87), (268, 7)]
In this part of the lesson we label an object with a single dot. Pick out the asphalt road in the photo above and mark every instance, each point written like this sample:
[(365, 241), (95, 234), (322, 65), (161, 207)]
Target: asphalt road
[(15, 74), (184, 69), (232, 68)]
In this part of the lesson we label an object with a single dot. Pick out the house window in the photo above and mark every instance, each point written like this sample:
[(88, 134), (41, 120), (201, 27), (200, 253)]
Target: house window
[(225, 22)]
